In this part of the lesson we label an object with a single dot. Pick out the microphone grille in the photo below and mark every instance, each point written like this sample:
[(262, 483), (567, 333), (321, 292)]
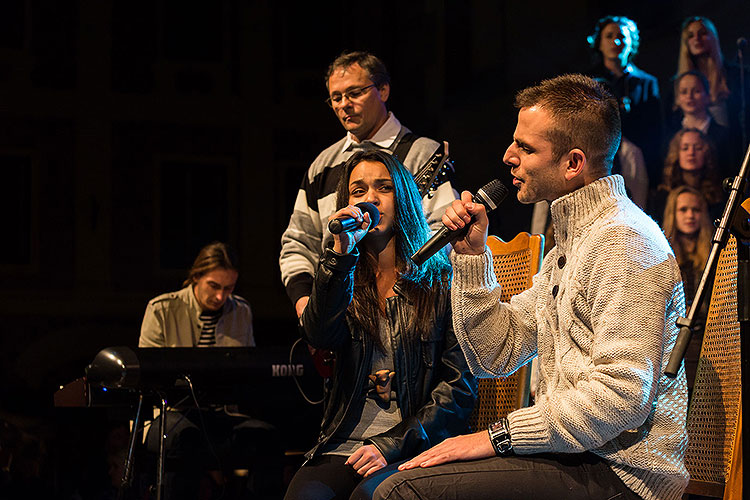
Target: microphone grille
[(372, 210), (493, 192)]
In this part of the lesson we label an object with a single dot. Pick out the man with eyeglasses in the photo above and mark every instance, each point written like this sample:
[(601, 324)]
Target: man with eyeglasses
[(358, 88)]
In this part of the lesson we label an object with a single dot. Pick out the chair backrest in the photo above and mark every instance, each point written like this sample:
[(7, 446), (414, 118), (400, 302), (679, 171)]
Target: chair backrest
[(714, 413), (515, 263)]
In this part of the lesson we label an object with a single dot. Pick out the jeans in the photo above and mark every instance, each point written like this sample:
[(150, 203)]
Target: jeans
[(575, 477), (327, 477)]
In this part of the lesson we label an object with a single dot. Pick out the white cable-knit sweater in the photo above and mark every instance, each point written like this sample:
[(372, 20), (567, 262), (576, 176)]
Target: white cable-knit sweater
[(601, 316)]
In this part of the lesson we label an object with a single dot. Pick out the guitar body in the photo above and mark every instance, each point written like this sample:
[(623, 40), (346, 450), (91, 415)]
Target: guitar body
[(428, 178), (324, 361)]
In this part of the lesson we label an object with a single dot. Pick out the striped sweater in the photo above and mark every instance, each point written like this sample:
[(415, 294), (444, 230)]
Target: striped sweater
[(305, 238)]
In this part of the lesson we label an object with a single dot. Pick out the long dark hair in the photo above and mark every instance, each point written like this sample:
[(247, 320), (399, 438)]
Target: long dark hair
[(422, 285)]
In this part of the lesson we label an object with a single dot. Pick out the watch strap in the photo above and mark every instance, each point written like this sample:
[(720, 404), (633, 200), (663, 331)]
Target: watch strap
[(500, 437)]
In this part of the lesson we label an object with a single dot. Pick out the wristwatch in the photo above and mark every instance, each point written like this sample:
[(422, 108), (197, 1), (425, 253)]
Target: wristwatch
[(500, 437)]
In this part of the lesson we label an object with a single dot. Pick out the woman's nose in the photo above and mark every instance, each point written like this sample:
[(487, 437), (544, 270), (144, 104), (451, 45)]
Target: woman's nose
[(372, 197)]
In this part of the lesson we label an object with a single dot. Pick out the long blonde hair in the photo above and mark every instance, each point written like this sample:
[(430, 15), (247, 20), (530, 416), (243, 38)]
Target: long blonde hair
[(711, 66), (672, 174), (698, 257)]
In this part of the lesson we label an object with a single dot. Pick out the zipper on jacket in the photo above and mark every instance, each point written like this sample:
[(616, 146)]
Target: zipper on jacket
[(367, 344)]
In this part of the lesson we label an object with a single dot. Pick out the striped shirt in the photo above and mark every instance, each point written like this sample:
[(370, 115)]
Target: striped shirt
[(306, 237), (208, 332)]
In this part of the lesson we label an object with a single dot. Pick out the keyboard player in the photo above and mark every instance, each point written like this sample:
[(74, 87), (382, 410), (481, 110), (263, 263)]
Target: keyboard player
[(206, 313)]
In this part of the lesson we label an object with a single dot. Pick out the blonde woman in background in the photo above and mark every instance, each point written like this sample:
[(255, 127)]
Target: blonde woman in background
[(700, 50), (691, 161), (688, 229)]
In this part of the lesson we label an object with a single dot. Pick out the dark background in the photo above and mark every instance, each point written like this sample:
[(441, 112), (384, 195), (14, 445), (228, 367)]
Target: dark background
[(133, 132)]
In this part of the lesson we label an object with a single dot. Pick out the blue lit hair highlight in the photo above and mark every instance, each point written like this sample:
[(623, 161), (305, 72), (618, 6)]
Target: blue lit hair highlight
[(423, 286)]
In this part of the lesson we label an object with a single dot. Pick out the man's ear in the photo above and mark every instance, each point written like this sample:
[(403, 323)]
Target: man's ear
[(575, 163), (385, 91)]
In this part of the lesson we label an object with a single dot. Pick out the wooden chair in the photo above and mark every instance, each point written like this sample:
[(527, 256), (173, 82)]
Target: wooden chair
[(714, 457), (515, 263)]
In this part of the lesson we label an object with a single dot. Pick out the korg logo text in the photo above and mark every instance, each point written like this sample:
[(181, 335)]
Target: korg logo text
[(287, 370)]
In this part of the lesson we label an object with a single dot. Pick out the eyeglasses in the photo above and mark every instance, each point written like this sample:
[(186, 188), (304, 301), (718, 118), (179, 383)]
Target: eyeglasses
[(350, 94)]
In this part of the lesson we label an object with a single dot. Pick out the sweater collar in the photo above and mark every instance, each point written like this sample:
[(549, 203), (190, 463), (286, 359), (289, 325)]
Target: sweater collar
[(383, 138), (574, 211)]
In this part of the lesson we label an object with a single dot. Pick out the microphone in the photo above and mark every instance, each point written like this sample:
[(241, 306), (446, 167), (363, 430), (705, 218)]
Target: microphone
[(741, 42), (490, 195), (345, 224)]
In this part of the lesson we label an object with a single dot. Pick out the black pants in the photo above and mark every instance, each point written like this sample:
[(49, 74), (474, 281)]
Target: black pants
[(535, 477), (327, 478), (202, 440)]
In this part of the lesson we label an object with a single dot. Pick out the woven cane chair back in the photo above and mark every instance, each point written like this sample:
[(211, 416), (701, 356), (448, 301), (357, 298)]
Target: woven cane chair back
[(515, 263), (714, 413)]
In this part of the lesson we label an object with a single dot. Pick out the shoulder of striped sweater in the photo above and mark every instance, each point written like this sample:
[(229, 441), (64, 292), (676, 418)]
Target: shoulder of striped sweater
[(421, 151), (424, 146), (324, 157), (426, 142)]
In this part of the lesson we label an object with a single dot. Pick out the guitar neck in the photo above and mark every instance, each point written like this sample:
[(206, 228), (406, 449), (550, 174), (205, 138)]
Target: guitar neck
[(434, 171)]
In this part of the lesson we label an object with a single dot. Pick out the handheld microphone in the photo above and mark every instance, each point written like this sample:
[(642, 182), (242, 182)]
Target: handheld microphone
[(345, 224), (490, 195), (741, 43)]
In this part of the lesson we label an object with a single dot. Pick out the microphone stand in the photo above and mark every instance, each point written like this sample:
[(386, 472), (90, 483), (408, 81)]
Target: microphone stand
[(127, 476), (738, 226)]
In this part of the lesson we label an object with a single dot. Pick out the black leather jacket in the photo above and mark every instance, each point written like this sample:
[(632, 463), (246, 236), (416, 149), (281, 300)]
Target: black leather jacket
[(435, 389)]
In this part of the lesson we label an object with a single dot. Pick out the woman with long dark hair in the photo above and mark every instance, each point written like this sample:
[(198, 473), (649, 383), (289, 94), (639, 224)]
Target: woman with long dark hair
[(401, 383)]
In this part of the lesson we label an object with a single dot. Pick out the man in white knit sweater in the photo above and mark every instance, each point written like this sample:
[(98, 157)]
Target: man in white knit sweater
[(600, 316)]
